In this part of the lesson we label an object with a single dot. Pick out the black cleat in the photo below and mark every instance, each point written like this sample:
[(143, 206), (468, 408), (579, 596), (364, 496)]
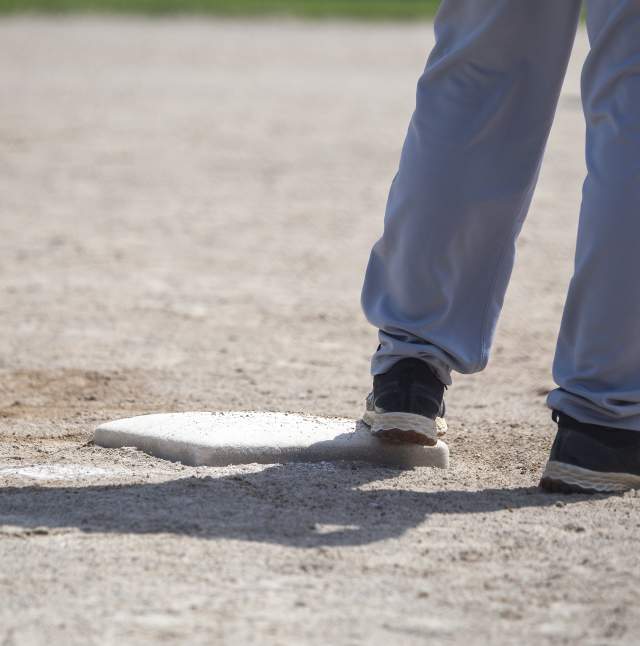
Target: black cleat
[(406, 404), (588, 458)]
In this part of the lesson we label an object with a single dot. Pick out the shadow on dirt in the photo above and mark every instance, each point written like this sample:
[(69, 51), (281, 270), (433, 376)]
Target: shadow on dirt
[(300, 505)]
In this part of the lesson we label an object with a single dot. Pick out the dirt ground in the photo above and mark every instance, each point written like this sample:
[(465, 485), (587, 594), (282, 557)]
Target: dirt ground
[(186, 210)]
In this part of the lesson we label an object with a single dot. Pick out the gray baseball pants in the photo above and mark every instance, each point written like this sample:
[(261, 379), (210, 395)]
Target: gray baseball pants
[(436, 280)]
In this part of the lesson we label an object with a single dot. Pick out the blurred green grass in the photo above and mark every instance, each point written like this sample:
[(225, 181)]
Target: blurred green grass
[(368, 9)]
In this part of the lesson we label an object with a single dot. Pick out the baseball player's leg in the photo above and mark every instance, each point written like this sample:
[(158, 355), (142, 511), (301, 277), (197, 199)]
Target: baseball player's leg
[(597, 363), (436, 279)]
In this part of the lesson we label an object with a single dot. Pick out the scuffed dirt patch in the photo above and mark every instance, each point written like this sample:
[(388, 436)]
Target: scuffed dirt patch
[(68, 402)]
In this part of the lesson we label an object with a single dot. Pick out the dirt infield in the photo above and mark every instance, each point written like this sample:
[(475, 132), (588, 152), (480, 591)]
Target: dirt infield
[(186, 209)]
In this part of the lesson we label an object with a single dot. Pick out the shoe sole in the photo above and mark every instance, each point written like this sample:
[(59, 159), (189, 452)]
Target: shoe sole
[(559, 477), (405, 428)]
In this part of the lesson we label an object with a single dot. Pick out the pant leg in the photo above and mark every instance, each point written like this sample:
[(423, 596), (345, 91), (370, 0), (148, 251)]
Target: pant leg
[(597, 362), (435, 282)]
